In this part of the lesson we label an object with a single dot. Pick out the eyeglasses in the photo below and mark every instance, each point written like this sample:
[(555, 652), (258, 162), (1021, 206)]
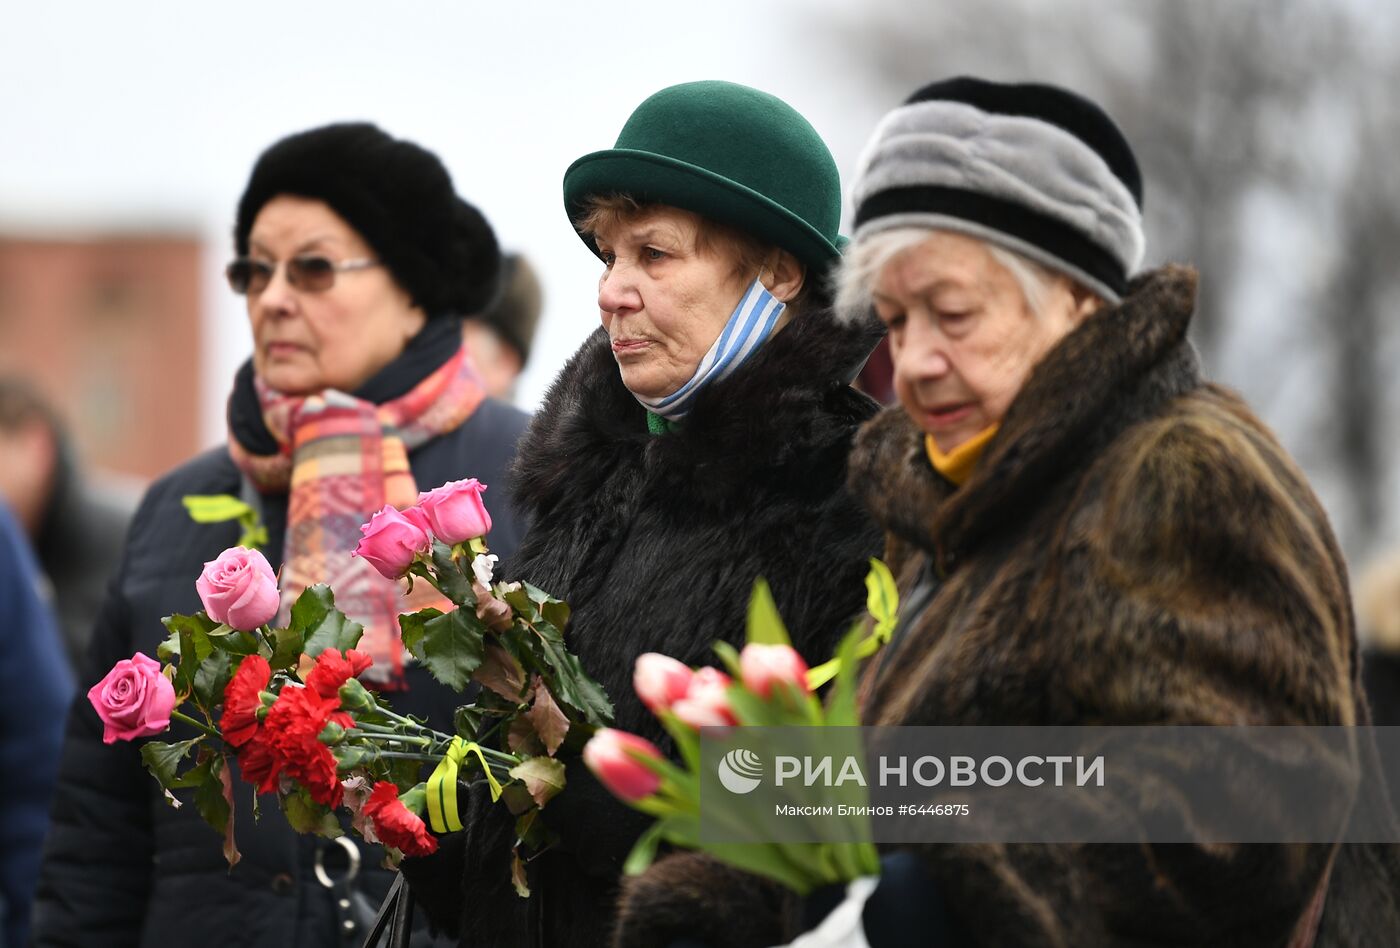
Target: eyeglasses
[(249, 277)]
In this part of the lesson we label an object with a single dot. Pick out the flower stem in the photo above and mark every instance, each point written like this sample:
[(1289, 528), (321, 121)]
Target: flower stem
[(181, 716)]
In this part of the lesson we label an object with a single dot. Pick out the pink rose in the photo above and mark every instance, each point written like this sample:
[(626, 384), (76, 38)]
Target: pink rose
[(134, 700), (239, 589), (455, 512), (660, 681), (706, 701), (608, 754), (391, 541), (763, 666)]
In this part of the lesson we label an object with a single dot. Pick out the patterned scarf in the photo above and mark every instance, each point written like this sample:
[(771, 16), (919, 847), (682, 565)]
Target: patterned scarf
[(342, 458)]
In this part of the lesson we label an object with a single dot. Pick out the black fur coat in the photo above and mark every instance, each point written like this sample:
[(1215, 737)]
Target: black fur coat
[(1134, 547), (655, 542)]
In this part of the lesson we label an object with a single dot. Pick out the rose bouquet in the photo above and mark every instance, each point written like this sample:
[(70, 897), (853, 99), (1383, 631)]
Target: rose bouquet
[(286, 704), (767, 684)]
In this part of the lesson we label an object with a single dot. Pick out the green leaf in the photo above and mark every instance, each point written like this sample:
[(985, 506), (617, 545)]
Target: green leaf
[(730, 657), (307, 816), (466, 721), (841, 705), (321, 624), (765, 626), (451, 646), (643, 852), (235, 641), (195, 646), (454, 581), (212, 678), (163, 760), (882, 599), (553, 611), (542, 776), (169, 650), (567, 676), (209, 797), (288, 644), (412, 627), (215, 508)]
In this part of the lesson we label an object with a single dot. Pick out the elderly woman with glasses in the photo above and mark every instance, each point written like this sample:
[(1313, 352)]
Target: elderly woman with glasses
[(1084, 531), (696, 442), (357, 259)]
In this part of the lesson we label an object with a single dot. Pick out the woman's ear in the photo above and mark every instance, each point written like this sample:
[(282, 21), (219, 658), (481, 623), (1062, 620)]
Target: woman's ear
[(1086, 302), (783, 275)]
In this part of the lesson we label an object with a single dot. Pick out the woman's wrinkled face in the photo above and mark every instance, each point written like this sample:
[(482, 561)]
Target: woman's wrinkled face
[(963, 337), (338, 338), (663, 299)]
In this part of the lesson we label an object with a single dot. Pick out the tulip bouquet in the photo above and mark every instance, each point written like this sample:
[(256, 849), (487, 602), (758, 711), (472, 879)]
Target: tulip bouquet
[(767, 684), (286, 703)]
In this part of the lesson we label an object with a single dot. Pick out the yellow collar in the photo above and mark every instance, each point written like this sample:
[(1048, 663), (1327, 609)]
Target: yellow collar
[(957, 465)]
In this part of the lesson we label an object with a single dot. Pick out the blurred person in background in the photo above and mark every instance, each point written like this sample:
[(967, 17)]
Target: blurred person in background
[(1084, 532), (76, 531), (37, 687), (499, 338), (357, 260), (1378, 622), (696, 442)]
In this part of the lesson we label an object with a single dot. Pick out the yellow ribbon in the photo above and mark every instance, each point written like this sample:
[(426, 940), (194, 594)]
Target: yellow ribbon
[(882, 602), (442, 786)]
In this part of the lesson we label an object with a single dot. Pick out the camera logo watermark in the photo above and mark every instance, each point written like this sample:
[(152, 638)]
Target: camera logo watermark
[(741, 771)]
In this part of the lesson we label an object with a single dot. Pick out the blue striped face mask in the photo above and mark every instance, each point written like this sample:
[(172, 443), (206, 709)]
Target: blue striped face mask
[(748, 328)]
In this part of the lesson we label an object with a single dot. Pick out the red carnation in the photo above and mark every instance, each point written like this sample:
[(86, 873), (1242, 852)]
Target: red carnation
[(241, 700), (395, 824), (334, 669), (293, 725), (258, 765)]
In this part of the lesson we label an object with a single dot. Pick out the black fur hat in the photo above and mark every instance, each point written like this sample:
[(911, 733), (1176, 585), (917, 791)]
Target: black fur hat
[(398, 197)]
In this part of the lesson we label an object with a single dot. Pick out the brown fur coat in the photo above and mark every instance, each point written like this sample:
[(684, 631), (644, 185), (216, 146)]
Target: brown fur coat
[(1133, 548)]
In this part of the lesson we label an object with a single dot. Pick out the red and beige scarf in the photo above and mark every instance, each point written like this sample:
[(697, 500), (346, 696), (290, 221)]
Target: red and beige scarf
[(341, 459)]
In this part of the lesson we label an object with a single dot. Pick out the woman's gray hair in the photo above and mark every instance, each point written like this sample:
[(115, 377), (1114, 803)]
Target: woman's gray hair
[(866, 257)]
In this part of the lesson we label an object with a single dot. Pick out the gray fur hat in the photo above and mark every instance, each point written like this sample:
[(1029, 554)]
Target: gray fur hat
[(1033, 168)]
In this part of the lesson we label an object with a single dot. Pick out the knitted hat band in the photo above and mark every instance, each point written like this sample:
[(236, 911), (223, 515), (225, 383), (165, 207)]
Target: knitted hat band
[(1021, 180)]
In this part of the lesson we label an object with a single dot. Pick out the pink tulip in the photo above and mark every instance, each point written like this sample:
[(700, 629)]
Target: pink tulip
[(239, 589), (455, 511), (763, 666), (609, 755), (390, 542), (660, 681), (133, 700), (706, 702)]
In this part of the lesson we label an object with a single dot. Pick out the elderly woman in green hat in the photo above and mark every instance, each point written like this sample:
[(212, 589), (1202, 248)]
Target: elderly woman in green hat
[(695, 442)]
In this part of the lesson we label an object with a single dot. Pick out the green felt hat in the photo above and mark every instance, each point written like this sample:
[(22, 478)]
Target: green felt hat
[(729, 153)]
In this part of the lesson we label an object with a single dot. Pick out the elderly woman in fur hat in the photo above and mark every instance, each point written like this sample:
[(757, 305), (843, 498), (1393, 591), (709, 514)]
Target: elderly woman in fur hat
[(357, 260), (1084, 531), (696, 442)]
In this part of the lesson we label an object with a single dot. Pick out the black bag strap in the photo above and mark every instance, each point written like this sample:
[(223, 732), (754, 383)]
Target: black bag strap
[(395, 917)]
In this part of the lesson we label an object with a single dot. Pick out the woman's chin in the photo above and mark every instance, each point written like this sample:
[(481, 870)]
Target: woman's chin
[(290, 380), (643, 383)]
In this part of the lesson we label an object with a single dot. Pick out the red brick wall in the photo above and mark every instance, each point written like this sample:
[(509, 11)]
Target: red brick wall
[(109, 329)]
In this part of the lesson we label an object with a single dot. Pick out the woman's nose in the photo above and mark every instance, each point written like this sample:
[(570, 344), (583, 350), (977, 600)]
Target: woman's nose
[(617, 291), (277, 296)]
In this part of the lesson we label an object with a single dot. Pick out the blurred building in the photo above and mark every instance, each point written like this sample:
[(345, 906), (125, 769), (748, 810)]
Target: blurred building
[(109, 328)]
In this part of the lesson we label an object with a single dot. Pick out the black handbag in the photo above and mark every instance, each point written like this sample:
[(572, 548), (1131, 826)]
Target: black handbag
[(394, 923)]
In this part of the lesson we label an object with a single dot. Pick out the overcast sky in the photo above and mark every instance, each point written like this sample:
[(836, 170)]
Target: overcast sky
[(131, 115)]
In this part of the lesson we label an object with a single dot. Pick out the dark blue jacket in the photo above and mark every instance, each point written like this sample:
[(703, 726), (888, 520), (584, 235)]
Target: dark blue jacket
[(122, 868), (35, 691)]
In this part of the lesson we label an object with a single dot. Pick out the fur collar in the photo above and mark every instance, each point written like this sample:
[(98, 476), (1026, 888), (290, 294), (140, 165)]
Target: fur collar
[(792, 400), (1120, 366)]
